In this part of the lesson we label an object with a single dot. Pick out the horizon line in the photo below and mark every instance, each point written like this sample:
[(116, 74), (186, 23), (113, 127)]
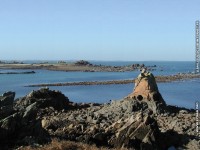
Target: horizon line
[(87, 60)]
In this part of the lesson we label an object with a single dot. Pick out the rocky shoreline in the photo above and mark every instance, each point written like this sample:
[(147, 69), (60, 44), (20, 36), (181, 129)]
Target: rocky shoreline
[(142, 120), (169, 78)]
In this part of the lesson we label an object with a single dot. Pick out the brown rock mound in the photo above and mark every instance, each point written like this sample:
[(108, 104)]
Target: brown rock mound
[(145, 86), (146, 90)]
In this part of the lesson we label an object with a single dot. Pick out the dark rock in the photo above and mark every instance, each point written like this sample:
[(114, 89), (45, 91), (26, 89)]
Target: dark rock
[(44, 98), (82, 63), (6, 104), (7, 99), (6, 111), (34, 131), (8, 129), (27, 72), (100, 139)]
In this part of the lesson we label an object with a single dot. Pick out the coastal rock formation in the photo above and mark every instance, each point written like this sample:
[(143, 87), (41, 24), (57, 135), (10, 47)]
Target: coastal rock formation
[(44, 98), (22, 125), (6, 104), (129, 123), (146, 90), (7, 98), (137, 132)]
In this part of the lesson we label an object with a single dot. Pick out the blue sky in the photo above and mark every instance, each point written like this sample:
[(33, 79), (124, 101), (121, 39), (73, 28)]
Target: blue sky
[(98, 29)]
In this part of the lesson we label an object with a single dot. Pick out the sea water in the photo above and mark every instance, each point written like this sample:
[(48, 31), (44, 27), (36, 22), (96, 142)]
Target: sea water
[(181, 93)]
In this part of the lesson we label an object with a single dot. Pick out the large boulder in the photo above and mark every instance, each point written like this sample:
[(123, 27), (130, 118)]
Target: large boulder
[(7, 99), (44, 98), (6, 104), (146, 90)]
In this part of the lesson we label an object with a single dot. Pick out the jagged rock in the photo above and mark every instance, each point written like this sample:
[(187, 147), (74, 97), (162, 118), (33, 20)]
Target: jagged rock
[(8, 128), (146, 90), (52, 123), (7, 99), (44, 98), (31, 130), (130, 123), (6, 111), (31, 111), (137, 133), (26, 122), (6, 104), (145, 87)]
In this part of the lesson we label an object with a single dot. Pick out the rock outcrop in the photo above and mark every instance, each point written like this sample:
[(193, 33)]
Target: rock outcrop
[(6, 104), (146, 90), (43, 98), (130, 123), (22, 123)]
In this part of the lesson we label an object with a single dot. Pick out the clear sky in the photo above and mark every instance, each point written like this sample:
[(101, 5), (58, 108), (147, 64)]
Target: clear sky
[(98, 29)]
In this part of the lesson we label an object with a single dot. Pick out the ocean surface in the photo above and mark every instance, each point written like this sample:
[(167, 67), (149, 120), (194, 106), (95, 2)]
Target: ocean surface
[(181, 93)]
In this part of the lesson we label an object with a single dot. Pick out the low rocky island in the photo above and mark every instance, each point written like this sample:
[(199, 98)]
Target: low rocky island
[(142, 120), (169, 78), (82, 66), (24, 72)]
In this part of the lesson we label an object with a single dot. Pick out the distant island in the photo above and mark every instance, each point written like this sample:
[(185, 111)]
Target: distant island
[(24, 72), (82, 66)]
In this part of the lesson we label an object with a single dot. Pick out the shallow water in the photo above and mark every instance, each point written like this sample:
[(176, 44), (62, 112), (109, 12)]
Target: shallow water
[(181, 93)]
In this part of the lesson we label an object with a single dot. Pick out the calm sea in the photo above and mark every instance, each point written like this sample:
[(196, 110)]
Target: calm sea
[(180, 93)]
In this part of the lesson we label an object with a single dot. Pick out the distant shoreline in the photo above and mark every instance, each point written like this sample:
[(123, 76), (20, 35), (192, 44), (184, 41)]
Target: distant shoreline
[(24, 72), (79, 66), (169, 78)]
